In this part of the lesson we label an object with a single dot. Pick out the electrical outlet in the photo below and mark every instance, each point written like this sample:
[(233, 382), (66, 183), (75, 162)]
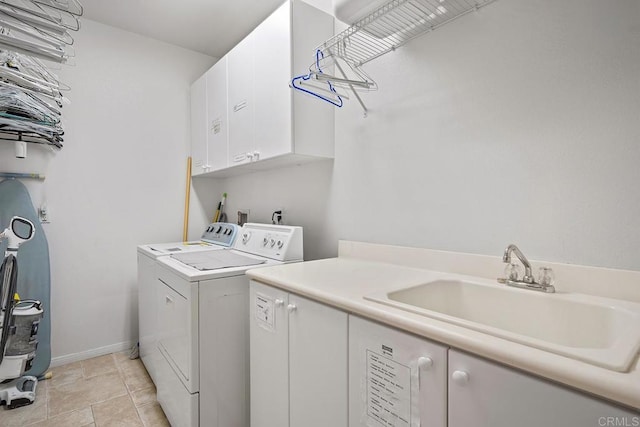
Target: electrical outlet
[(277, 215), (43, 214)]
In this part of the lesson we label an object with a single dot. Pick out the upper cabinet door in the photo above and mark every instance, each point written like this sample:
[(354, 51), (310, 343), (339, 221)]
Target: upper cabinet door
[(198, 126), (265, 119), (217, 123), (241, 101), (272, 72)]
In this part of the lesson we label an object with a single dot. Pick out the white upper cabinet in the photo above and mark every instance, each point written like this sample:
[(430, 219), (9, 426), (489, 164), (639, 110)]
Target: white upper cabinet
[(268, 124), (199, 126), (209, 124), (241, 101), (217, 123), (271, 73)]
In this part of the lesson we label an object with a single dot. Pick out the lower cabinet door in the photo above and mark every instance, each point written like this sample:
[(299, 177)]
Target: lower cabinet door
[(269, 356), (485, 394), (317, 364), (395, 378)]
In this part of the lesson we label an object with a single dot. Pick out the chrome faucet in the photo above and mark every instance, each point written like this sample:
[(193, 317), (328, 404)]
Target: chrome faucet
[(506, 258), (527, 281)]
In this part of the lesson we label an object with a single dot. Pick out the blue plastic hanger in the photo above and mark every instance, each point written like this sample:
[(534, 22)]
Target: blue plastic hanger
[(305, 77)]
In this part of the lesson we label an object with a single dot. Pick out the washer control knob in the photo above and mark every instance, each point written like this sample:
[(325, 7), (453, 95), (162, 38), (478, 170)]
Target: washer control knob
[(272, 242), (245, 237), (280, 244), (265, 241)]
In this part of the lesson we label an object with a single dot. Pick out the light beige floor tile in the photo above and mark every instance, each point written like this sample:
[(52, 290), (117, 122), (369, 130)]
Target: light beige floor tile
[(29, 414), (134, 374), (153, 416), (98, 366), (144, 396), (118, 412), (121, 357), (66, 374), (84, 393), (82, 417)]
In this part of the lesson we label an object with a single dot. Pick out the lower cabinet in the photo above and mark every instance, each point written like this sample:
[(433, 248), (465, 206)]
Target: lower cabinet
[(395, 379), (485, 394), (298, 361)]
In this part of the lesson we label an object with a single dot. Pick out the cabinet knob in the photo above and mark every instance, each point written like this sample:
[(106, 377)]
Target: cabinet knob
[(425, 363), (460, 377), (279, 302), (291, 308)]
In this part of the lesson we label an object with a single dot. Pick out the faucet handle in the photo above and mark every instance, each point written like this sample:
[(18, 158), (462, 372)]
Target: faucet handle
[(546, 277), (513, 271)]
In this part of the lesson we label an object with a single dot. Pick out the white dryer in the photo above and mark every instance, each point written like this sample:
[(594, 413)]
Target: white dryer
[(217, 236), (204, 328)]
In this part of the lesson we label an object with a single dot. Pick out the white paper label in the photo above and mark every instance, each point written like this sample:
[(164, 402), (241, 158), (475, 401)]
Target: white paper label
[(264, 311), (388, 391)]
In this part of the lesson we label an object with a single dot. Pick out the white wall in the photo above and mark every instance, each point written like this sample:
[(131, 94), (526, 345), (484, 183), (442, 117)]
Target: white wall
[(118, 182), (518, 123)]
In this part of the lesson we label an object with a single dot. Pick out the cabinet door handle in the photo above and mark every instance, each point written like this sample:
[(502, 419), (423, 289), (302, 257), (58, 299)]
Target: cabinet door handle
[(460, 377), (291, 308), (424, 364), (240, 105), (279, 302), (239, 157)]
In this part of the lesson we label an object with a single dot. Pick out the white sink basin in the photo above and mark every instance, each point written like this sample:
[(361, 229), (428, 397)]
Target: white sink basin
[(599, 331)]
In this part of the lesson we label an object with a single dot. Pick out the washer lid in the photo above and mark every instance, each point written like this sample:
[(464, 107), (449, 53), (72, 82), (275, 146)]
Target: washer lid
[(213, 260)]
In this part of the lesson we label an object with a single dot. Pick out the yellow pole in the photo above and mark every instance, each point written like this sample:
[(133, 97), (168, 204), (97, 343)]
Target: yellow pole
[(185, 228)]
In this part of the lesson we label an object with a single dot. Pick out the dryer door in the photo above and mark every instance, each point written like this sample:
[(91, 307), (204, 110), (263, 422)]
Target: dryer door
[(178, 326)]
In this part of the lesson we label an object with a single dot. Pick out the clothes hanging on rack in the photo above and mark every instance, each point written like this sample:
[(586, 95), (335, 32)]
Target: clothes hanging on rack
[(377, 32), (33, 31)]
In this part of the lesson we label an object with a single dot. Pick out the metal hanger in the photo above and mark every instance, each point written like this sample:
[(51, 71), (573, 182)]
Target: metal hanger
[(332, 96)]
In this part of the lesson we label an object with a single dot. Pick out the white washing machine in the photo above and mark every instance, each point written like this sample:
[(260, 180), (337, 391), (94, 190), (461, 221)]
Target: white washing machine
[(204, 328), (217, 236)]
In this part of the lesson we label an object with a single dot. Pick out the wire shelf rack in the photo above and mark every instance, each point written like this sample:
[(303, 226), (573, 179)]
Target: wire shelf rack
[(383, 30), (393, 25)]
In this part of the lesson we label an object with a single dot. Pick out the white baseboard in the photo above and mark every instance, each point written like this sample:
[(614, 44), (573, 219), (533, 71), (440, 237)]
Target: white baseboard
[(84, 355)]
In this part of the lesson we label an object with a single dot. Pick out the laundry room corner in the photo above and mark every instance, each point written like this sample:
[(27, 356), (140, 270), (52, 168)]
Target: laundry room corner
[(118, 182)]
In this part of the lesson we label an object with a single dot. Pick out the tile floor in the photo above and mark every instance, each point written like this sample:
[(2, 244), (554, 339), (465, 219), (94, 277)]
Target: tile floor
[(107, 391)]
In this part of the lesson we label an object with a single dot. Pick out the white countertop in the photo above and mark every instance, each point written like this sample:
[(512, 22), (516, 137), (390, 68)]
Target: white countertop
[(342, 283)]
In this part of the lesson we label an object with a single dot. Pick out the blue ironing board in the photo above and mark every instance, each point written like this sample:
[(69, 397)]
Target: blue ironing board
[(34, 275)]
